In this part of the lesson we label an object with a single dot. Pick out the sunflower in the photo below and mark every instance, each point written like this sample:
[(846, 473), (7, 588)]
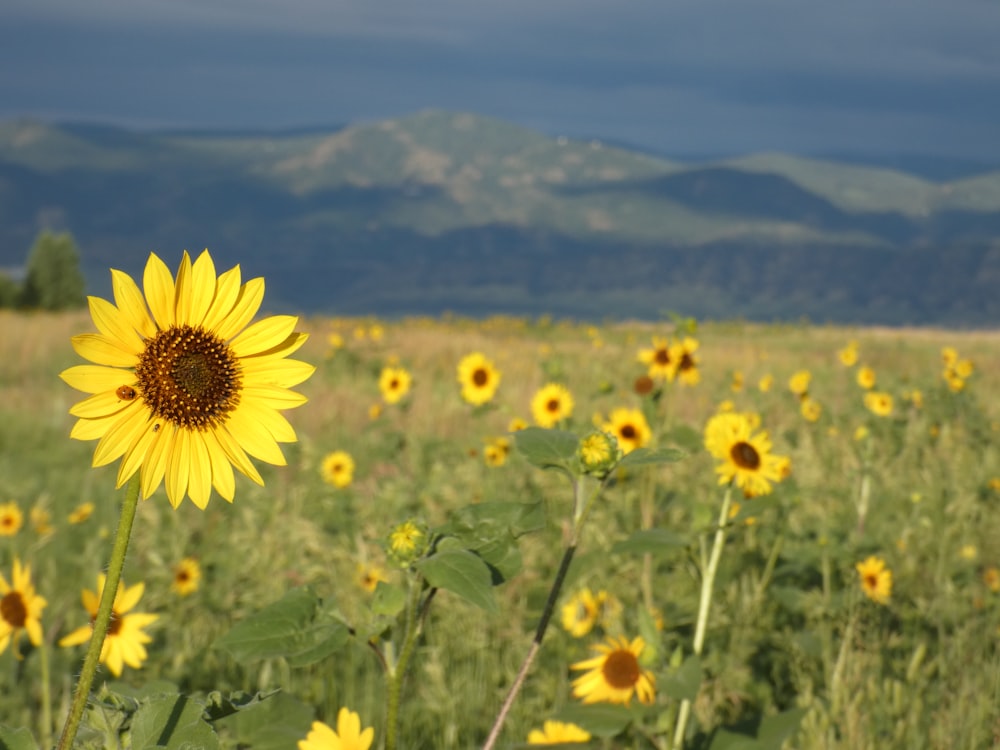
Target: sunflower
[(629, 426), (516, 424), (661, 364), (496, 451), (598, 452), (369, 575), (686, 370), (338, 469), (581, 613), (557, 733), (81, 513), (849, 354), (182, 389), (394, 382), (876, 579), (479, 379), (866, 378), (799, 383), (878, 403), (126, 639), (11, 519), (187, 574), (765, 383), (552, 404), (407, 541), (811, 409), (20, 607), (991, 578), (348, 735), (745, 455), (615, 675)]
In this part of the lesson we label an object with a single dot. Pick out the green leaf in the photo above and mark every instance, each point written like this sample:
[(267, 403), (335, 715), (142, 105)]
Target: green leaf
[(653, 541), (600, 719), (651, 457), (389, 599), (219, 706), (546, 448), (463, 573), (174, 722), (685, 681), (758, 732), (292, 627), (686, 437), (517, 518), (774, 730), (278, 724), (16, 739)]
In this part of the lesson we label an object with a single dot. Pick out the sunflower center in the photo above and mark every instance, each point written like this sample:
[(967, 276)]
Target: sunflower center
[(12, 610), (115, 626), (480, 377), (552, 405), (189, 376), (662, 357), (621, 669), (871, 582), (627, 431), (183, 576), (686, 362), (745, 456)]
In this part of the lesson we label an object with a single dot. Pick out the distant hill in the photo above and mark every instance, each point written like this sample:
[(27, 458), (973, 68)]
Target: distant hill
[(443, 210)]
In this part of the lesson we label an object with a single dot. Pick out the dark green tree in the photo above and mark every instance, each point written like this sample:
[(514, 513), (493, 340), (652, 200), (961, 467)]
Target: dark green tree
[(10, 291), (54, 280)]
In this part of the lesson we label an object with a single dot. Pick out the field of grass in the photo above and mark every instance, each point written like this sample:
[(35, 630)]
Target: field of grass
[(791, 632)]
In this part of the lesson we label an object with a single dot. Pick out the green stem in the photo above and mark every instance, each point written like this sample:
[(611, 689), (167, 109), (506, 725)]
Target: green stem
[(704, 606), (397, 671), (103, 618), (46, 728)]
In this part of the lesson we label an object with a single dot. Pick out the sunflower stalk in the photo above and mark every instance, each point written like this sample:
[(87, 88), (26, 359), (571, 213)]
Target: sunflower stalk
[(103, 618), (397, 669), (704, 606)]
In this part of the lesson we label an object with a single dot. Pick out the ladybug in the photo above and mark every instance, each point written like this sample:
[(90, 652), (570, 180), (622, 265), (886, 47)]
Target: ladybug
[(126, 393)]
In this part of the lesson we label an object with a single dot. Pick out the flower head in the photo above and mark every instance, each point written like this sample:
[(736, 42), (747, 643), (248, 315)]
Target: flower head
[(496, 451), (551, 404), (183, 390), (629, 427), (659, 360), (866, 378), (876, 579), (407, 542), (11, 519), (557, 733), (878, 403), (479, 379), (811, 409), (20, 607), (338, 469), (369, 576), (615, 675), (348, 735), (745, 454), (81, 513), (126, 641), (187, 575), (849, 354), (598, 453), (686, 370), (799, 383), (394, 383)]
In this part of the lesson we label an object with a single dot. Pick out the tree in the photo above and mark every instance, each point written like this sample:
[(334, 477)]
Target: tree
[(54, 280)]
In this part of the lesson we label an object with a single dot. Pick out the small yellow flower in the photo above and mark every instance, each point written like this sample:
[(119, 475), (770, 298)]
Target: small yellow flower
[(968, 552), (374, 411), (799, 383), (737, 382), (866, 378), (394, 383), (557, 733), (878, 403), (496, 451), (81, 513), (348, 735), (660, 364), (407, 541), (860, 433), (11, 519), (187, 575), (991, 578), (369, 575), (876, 579), (338, 469), (686, 368), (376, 332), (949, 356), (964, 368), (478, 378), (581, 613), (994, 484), (335, 340), (811, 409), (20, 608), (765, 383), (615, 674), (629, 427), (849, 354), (41, 521), (551, 404), (516, 424)]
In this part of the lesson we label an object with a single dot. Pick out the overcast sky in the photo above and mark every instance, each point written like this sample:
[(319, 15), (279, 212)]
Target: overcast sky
[(683, 77)]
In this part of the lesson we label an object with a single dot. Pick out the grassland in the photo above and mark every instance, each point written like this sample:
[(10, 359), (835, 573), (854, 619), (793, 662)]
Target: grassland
[(790, 626)]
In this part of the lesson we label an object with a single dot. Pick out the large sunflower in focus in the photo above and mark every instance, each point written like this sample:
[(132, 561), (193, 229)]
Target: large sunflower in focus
[(183, 390), (744, 453)]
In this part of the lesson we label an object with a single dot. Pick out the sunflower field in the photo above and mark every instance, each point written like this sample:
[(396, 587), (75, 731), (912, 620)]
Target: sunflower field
[(453, 533)]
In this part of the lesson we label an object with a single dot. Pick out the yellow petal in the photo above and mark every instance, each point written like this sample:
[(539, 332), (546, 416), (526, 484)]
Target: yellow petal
[(97, 378), (202, 288), (182, 291), (273, 396), (271, 371), (227, 290), (200, 482), (114, 325), (178, 467), (136, 455), (120, 437), (263, 335), (78, 636), (158, 284), (246, 306), (270, 420), (283, 348), (155, 465), (129, 597), (131, 304), (253, 437), (222, 471), (104, 404), (236, 455), (102, 350)]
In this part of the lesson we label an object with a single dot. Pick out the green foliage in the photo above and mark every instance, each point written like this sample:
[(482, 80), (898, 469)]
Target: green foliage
[(54, 280), (10, 291)]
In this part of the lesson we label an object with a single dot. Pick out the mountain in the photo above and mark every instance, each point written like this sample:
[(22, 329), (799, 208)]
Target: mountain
[(442, 210)]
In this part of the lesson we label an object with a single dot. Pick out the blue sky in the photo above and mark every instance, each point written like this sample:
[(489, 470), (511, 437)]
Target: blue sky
[(686, 78)]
